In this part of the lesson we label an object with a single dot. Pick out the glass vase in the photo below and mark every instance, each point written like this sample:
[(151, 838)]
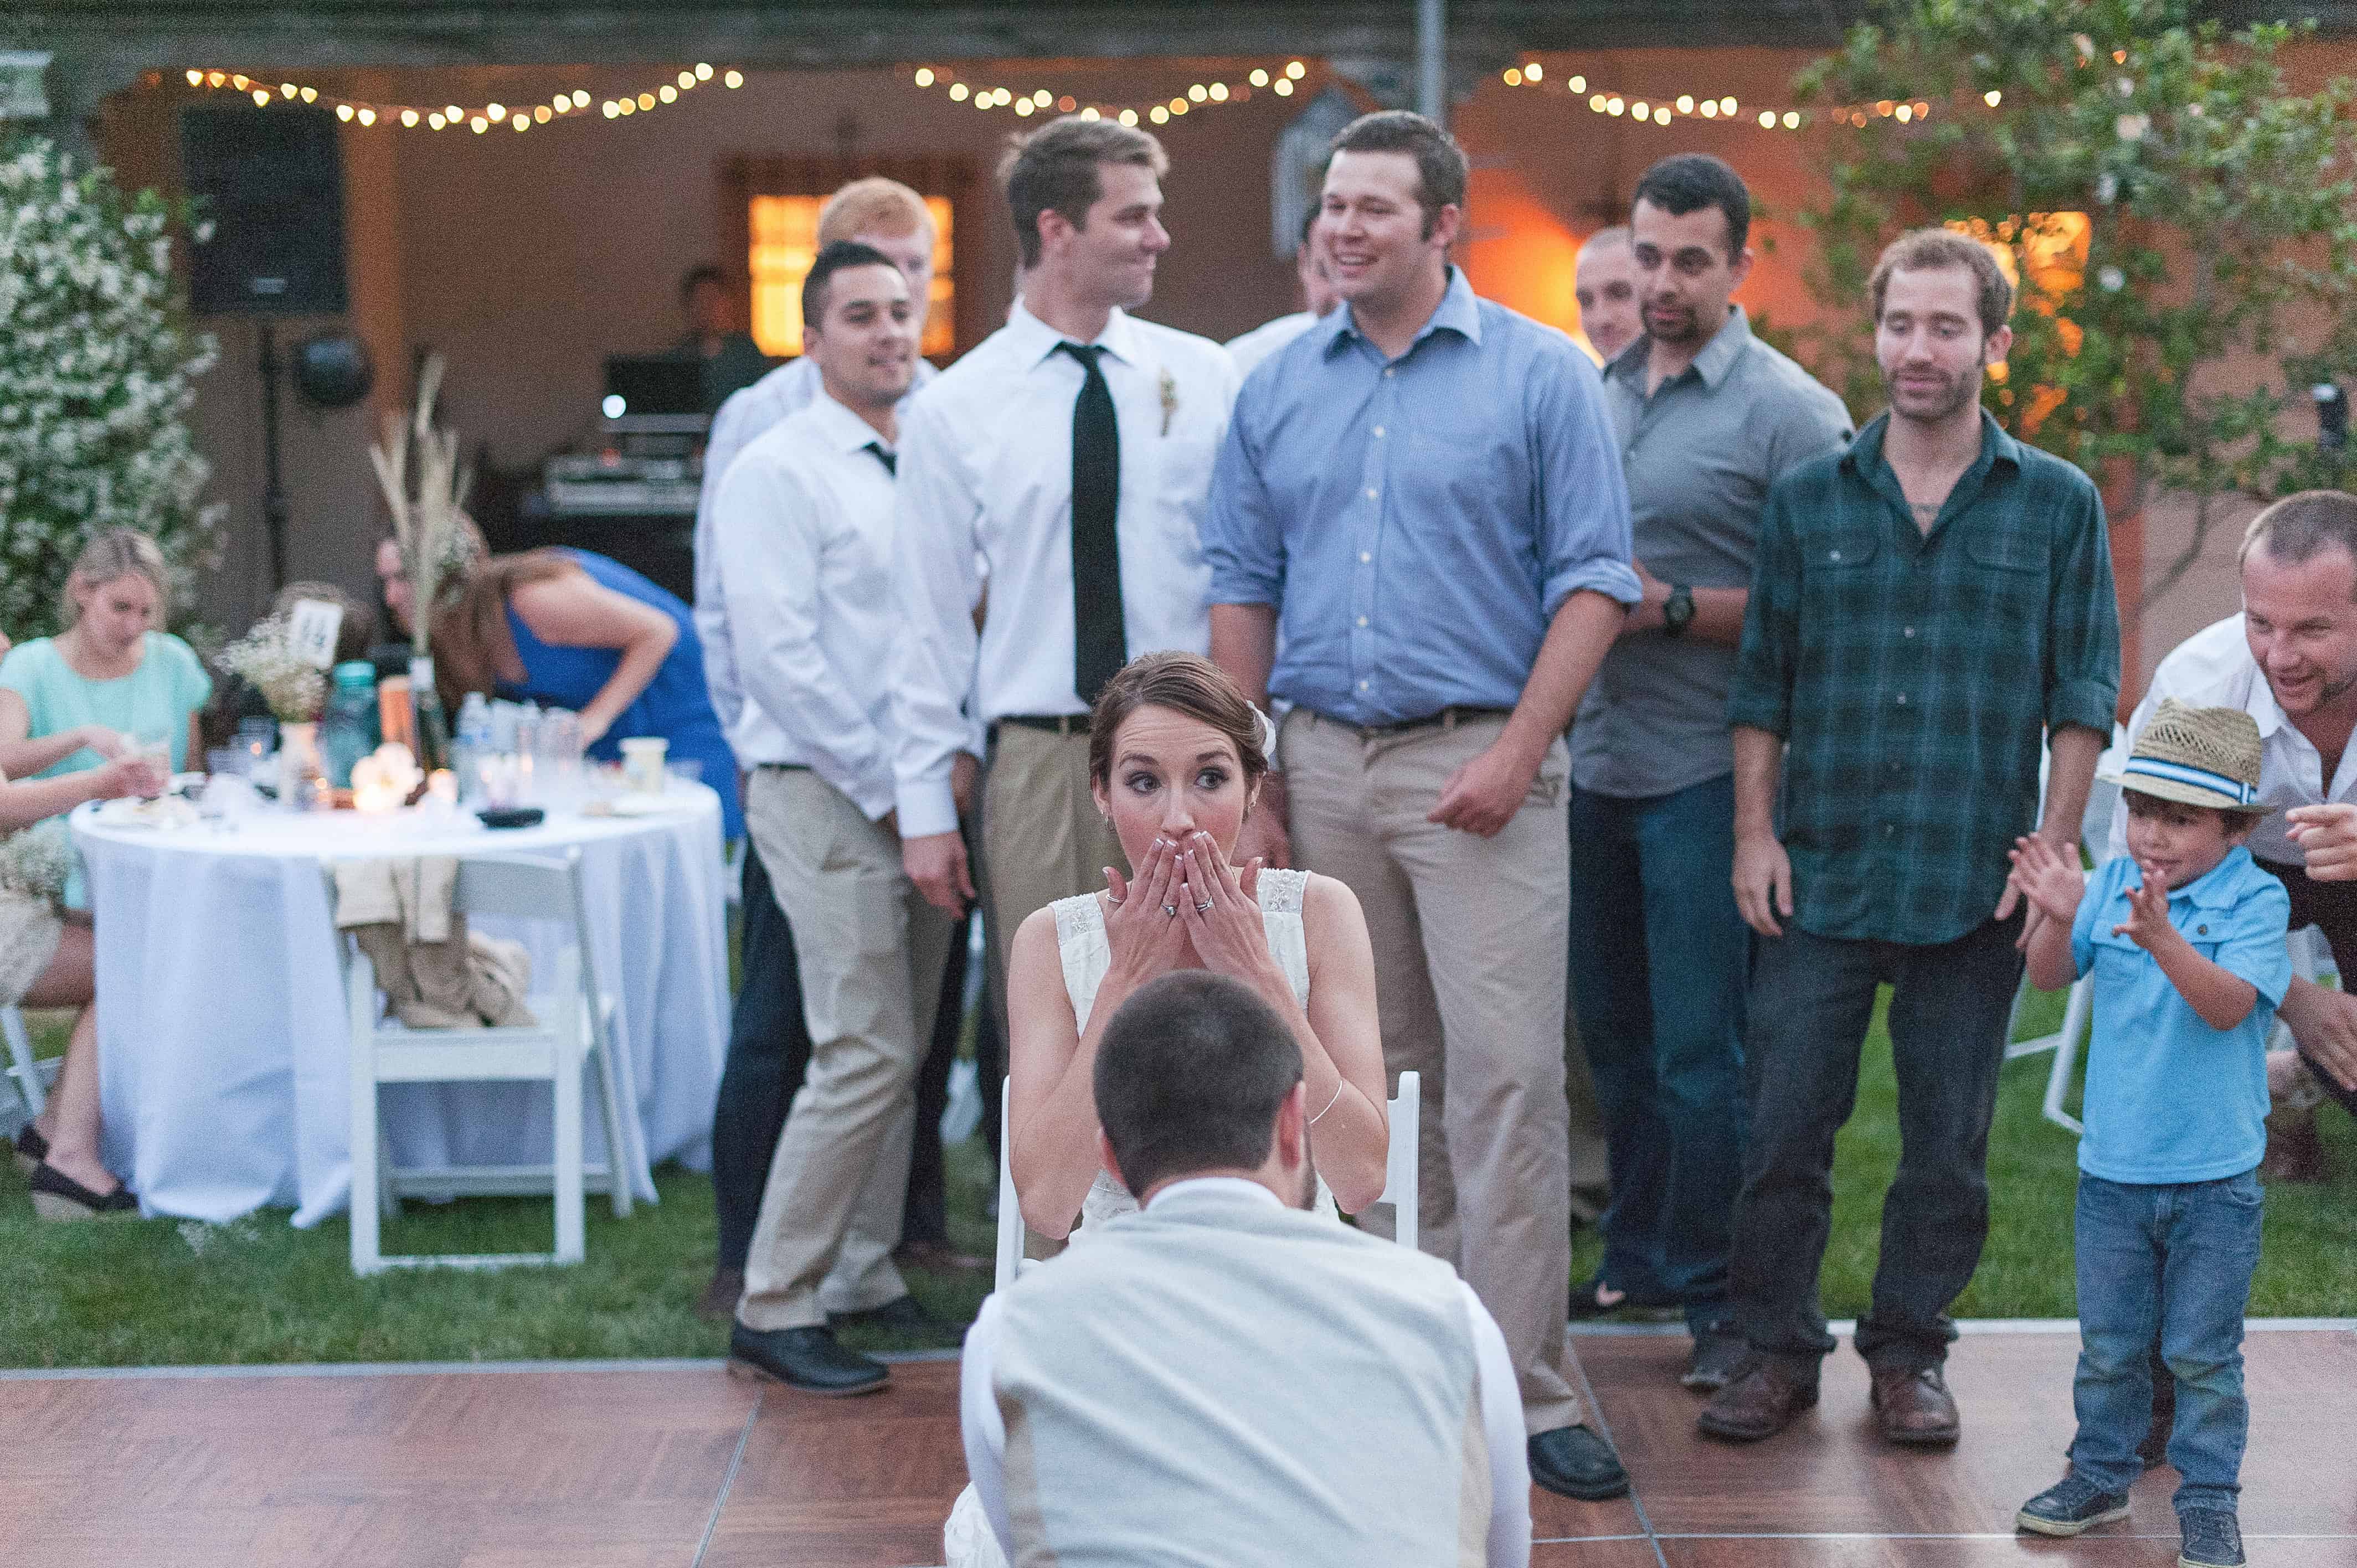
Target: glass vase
[(302, 773)]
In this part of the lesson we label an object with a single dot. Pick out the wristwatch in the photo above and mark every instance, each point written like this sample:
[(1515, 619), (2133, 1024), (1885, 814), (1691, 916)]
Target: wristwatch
[(1677, 610)]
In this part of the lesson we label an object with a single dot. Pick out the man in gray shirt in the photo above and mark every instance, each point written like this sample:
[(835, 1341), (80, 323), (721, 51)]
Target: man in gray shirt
[(1707, 417)]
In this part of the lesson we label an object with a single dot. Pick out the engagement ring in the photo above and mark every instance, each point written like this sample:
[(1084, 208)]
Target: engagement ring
[(1171, 910)]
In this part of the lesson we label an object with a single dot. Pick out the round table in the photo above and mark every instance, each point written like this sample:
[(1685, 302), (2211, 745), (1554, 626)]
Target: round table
[(223, 1043)]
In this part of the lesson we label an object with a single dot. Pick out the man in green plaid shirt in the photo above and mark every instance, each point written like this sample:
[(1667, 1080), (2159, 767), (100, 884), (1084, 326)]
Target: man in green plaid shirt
[(1928, 607)]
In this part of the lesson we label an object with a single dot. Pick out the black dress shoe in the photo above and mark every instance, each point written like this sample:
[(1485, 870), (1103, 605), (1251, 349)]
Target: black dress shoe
[(901, 1315), (806, 1359), (1577, 1462)]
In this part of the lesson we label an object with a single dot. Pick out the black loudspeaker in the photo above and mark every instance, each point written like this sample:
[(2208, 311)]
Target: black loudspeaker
[(268, 190)]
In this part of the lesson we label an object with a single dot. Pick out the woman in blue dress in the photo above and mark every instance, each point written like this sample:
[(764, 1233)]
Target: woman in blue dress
[(568, 628)]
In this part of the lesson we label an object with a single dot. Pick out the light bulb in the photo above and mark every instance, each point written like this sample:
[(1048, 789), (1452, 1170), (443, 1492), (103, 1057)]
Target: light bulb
[(1259, 78), (924, 76), (1296, 69), (703, 72), (734, 79)]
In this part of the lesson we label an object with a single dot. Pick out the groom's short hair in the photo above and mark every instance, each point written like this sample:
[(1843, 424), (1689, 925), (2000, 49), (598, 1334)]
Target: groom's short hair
[(1188, 1078)]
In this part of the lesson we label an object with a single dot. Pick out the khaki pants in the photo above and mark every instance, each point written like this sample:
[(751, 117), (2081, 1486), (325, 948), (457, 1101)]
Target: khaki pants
[(871, 953), (1041, 837), (1469, 939)]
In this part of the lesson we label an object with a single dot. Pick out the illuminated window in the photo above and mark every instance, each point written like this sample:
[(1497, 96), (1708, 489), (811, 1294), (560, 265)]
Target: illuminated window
[(785, 243)]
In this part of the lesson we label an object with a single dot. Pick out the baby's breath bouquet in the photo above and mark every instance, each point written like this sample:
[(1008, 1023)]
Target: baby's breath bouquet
[(265, 658), (37, 860)]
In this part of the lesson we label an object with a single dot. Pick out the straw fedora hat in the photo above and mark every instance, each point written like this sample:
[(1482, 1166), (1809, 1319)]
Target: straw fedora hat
[(2196, 756)]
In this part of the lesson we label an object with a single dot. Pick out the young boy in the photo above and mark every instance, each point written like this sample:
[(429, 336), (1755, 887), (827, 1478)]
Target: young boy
[(2184, 935)]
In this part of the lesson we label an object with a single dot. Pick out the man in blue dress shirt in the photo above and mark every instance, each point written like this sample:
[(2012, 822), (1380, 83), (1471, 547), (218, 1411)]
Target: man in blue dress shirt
[(1425, 492)]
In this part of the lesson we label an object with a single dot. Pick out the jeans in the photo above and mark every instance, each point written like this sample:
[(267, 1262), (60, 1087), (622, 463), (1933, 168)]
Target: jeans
[(2176, 1258), (768, 1052), (1812, 998), (1660, 1014)]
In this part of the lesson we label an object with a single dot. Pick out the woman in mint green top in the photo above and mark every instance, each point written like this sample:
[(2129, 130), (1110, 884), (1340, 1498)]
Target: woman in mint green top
[(110, 679)]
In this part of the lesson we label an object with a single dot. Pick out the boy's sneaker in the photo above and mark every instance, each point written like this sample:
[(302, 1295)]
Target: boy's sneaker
[(2211, 1538), (2071, 1505)]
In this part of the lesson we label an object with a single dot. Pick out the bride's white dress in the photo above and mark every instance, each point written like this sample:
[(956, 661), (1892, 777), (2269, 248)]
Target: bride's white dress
[(966, 1541)]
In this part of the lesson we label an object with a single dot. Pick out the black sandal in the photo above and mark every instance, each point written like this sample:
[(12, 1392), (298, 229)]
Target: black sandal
[(57, 1196), (31, 1149)]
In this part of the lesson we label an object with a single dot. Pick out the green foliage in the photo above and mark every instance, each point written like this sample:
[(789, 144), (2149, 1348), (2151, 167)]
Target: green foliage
[(98, 368), (2221, 253)]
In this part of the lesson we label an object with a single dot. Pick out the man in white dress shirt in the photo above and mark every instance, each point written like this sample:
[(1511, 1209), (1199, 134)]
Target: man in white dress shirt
[(769, 1046), (2289, 661), (1317, 301), (1067, 460), (803, 526), (1125, 1404)]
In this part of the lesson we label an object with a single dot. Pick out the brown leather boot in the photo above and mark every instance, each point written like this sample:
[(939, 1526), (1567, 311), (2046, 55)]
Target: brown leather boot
[(1760, 1402), (1913, 1406)]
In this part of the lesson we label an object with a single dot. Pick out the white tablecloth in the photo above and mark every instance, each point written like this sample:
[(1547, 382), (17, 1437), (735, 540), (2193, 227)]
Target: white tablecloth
[(222, 1036)]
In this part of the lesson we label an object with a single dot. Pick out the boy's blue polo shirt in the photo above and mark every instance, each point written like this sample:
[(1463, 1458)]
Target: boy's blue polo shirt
[(2168, 1098)]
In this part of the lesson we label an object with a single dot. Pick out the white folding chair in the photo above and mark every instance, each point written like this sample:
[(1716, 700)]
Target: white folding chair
[(571, 1030), (1399, 1178), (2095, 834), (30, 1077)]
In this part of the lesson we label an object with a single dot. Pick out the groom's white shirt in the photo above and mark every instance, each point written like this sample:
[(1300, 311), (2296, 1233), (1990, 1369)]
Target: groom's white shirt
[(1499, 1415)]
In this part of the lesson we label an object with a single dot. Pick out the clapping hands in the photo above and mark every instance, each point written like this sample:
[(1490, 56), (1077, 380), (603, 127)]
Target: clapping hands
[(2048, 875), (2147, 923)]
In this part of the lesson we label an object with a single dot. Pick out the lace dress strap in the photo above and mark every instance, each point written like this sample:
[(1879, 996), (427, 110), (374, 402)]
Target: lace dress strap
[(1082, 950)]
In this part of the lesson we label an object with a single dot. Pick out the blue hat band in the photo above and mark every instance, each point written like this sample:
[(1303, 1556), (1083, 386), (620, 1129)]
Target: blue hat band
[(2200, 778)]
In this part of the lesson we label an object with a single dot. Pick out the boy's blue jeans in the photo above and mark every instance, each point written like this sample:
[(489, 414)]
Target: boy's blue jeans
[(2175, 1259)]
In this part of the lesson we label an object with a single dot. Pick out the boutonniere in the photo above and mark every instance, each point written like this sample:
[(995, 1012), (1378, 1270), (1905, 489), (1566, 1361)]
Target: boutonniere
[(1170, 400)]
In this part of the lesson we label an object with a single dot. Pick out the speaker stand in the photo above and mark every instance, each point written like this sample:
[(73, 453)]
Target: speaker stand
[(273, 493)]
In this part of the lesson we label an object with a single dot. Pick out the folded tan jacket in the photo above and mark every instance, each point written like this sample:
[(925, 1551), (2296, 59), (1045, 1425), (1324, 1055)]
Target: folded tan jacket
[(436, 973)]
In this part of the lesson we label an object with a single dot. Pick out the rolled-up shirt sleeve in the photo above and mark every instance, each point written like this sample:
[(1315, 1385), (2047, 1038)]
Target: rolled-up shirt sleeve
[(1761, 695), (937, 582), (2082, 623), (1582, 499), (1244, 536)]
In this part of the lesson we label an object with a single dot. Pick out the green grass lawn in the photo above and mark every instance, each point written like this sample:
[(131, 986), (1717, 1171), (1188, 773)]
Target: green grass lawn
[(130, 1293)]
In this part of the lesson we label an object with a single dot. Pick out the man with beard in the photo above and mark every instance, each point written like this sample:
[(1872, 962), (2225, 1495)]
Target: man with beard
[(1709, 418), (1928, 603), (2289, 661)]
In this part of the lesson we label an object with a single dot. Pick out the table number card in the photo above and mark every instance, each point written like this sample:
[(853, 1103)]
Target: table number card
[(311, 629)]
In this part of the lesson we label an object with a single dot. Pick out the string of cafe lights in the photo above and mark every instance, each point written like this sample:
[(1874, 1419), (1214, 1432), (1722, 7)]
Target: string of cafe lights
[(1664, 109), (1282, 80), (576, 103)]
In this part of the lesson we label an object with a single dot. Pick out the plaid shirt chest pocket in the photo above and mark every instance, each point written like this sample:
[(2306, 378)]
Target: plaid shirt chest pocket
[(2006, 576)]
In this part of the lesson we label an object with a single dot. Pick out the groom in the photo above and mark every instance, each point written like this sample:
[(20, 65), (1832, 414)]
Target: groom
[(1123, 1404)]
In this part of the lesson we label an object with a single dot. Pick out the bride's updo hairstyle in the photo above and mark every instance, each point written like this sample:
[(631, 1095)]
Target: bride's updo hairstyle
[(1185, 683)]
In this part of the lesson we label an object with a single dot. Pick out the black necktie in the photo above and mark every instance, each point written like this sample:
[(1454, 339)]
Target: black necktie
[(1100, 644), (891, 460)]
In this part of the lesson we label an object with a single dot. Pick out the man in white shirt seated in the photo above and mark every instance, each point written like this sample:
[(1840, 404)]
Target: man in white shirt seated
[(1067, 460), (1222, 1377), (803, 526), (1318, 302), (2289, 661)]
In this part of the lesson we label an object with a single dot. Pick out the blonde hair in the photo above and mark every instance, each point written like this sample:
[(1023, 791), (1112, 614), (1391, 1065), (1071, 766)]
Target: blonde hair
[(872, 206), (117, 552)]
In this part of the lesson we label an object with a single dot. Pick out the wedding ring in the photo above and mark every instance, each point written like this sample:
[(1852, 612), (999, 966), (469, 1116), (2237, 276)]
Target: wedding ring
[(1204, 908), (1171, 910)]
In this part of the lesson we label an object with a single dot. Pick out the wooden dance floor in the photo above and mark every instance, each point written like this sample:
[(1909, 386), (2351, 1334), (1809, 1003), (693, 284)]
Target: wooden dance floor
[(678, 1466)]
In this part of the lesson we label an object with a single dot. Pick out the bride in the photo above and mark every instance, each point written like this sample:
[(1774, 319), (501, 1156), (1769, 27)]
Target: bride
[(1175, 758)]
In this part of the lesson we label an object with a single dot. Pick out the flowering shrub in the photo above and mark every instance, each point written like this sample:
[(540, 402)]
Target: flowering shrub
[(97, 372)]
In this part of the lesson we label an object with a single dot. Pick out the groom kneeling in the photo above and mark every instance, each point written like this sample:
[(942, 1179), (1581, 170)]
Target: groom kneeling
[(1220, 1376)]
